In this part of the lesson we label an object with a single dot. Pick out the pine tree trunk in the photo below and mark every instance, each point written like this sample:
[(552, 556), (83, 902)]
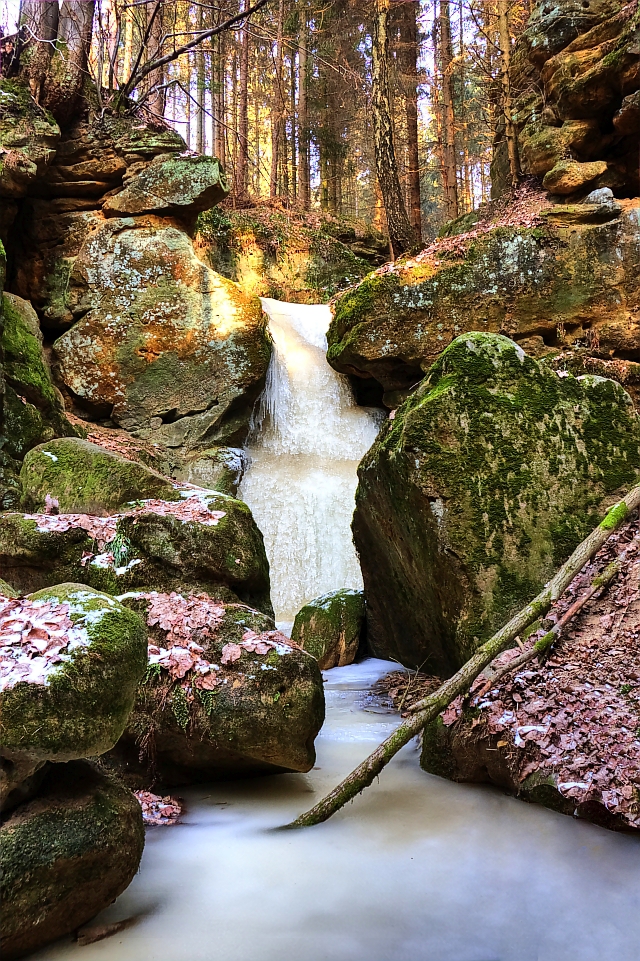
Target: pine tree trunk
[(240, 188), (410, 60), (294, 138), (401, 234), (39, 23), (277, 112), (505, 63), (303, 114), (152, 83), (449, 168), (200, 86)]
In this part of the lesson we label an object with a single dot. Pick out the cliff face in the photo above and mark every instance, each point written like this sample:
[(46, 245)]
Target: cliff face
[(576, 70)]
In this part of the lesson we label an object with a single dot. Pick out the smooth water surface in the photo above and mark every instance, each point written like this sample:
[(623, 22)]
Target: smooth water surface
[(307, 441), (416, 869)]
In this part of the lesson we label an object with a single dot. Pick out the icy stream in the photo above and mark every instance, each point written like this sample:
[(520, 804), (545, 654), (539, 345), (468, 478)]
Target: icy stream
[(308, 439), (417, 869)]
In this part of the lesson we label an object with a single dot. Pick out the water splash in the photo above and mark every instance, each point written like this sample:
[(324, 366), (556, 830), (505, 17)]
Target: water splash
[(308, 436)]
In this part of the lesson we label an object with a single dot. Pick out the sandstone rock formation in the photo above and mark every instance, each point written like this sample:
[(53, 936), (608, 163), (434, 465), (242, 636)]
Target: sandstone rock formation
[(488, 477), (330, 627)]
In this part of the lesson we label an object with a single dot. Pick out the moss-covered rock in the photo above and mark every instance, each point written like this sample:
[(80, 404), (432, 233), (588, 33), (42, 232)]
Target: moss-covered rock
[(554, 284), (330, 627), (294, 256), (87, 479), (258, 712), (167, 348), (207, 542), (66, 855), (28, 137), (172, 185), (488, 477), (76, 703), (219, 469)]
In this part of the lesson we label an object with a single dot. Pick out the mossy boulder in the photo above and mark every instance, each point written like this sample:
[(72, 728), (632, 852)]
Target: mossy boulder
[(206, 542), (66, 855), (551, 287), (258, 712), (172, 185), (87, 479), (168, 349), (77, 703), (330, 627), (488, 477), (28, 138), (34, 411)]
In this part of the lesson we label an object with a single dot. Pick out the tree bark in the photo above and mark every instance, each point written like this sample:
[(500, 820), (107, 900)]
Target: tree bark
[(200, 86), (447, 125), (505, 77), (410, 71), (428, 709), (68, 68), (39, 25), (402, 235), (277, 114), (304, 173), (242, 166)]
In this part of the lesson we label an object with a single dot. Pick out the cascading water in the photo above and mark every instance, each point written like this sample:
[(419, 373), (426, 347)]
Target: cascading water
[(306, 442)]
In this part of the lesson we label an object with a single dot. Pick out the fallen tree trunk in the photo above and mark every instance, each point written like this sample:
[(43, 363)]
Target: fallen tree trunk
[(430, 707)]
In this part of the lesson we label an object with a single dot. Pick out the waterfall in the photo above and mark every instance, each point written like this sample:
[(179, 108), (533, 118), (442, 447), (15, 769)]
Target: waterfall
[(306, 441)]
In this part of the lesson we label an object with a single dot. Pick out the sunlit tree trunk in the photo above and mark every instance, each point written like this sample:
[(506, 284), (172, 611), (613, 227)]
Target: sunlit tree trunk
[(277, 114), (200, 85), (505, 63), (243, 114), (303, 114), (410, 65), (68, 69), (449, 168), (401, 234)]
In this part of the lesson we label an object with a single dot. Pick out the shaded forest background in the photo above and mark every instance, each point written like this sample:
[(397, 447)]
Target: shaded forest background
[(298, 97)]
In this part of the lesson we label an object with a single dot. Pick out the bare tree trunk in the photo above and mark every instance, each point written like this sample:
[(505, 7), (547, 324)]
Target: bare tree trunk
[(68, 68), (152, 83), (401, 234), (428, 709), (200, 86), (449, 167), (39, 24), (277, 112), (505, 63), (410, 63), (294, 147), (303, 115), (240, 188), (128, 44)]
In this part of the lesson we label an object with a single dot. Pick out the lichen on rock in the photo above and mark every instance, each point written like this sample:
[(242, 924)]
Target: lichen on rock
[(488, 477)]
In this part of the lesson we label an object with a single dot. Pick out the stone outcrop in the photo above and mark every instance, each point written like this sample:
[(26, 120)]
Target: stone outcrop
[(66, 855), (207, 541), (330, 627), (172, 186), (490, 474), (218, 469), (226, 695), (560, 280), (291, 256), (577, 70), (69, 697), (86, 479)]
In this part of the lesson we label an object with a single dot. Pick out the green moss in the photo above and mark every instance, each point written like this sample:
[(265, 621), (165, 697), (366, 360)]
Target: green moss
[(615, 517), (23, 360)]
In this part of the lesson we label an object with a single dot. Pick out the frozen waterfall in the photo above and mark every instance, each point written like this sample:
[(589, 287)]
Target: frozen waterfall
[(306, 442)]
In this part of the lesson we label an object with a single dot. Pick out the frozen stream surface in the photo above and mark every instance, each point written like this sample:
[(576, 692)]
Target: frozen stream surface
[(417, 869)]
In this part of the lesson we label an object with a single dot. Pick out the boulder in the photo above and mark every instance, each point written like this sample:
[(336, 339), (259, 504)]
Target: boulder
[(226, 695), (71, 660), (569, 176), (34, 411), (566, 283), (86, 479), (489, 476), (219, 469), (178, 186), (330, 627), (206, 541), (66, 855), (167, 348)]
